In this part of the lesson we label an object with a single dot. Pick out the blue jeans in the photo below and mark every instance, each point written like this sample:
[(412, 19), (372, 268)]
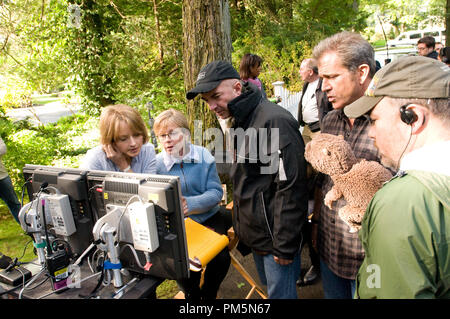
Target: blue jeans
[(8, 195), (335, 287), (280, 280)]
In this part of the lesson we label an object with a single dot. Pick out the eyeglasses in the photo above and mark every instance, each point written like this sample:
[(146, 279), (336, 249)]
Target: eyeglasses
[(420, 48), (172, 134)]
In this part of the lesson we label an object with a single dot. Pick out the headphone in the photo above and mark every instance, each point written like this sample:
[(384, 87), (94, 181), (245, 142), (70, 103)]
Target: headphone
[(408, 116)]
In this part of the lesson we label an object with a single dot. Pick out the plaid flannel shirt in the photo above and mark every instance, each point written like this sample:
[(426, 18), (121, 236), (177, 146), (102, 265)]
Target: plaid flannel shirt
[(341, 250)]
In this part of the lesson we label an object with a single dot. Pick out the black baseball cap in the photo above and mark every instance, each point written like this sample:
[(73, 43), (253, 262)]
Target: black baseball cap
[(210, 77)]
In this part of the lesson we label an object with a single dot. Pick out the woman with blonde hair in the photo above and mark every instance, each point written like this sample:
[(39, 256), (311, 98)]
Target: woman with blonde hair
[(123, 139), (202, 193)]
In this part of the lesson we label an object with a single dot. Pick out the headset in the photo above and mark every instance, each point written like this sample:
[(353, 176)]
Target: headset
[(408, 116)]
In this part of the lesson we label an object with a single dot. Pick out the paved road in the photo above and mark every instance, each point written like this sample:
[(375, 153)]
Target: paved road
[(48, 113)]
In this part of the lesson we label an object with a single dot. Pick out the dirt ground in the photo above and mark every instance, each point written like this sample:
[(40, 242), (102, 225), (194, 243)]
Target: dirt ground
[(235, 286)]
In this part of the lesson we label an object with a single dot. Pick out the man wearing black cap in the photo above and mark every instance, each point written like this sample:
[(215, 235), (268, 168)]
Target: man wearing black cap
[(270, 196), (406, 228)]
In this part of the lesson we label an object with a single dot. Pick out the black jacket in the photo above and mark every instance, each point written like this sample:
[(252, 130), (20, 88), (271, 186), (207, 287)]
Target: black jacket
[(269, 210), (433, 55)]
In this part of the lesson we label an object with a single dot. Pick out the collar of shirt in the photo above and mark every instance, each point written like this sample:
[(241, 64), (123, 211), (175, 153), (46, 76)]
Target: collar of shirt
[(430, 158), (192, 156)]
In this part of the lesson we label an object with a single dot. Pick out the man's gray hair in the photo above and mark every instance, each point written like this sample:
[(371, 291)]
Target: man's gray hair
[(351, 47)]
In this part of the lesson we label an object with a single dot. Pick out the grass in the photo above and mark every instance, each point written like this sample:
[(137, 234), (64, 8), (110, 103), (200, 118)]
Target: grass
[(12, 238), (167, 290), (42, 99), (379, 44)]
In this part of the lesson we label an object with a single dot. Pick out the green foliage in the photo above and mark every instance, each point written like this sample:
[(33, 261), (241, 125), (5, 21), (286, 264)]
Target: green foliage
[(114, 57), (60, 144), (13, 240), (13, 94), (34, 43), (283, 33), (126, 51)]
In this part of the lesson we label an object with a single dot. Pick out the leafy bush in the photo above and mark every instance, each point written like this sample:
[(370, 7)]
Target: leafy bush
[(59, 144), (13, 94)]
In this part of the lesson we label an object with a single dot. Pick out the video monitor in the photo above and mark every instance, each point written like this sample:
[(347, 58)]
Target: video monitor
[(69, 215), (116, 190)]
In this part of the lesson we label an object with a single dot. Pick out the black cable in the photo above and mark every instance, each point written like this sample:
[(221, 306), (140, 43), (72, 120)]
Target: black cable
[(68, 248), (99, 283), (23, 190), (407, 144), (10, 290), (21, 205), (24, 250), (94, 207), (49, 248)]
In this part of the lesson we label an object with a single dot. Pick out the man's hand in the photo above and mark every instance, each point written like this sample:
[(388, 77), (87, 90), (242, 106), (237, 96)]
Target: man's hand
[(282, 261)]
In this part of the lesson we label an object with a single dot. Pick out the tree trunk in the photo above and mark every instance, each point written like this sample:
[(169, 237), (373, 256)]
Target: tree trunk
[(206, 38), (158, 32), (447, 23)]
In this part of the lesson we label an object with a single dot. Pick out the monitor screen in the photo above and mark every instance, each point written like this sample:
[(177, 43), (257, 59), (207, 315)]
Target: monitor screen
[(67, 192), (112, 190)]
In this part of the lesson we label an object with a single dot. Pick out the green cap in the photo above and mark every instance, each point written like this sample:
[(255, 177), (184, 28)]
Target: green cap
[(407, 77)]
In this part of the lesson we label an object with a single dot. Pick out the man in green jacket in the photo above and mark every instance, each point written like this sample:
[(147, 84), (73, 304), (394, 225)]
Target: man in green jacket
[(406, 228)]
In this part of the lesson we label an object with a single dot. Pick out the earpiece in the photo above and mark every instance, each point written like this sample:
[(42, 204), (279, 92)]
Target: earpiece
[(407, 115)]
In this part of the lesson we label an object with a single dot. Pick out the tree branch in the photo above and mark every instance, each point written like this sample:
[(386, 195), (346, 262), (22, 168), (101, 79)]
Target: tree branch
[(117, 9)]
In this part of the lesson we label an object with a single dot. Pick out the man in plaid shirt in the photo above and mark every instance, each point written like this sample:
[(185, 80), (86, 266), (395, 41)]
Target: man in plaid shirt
[(346, 64)]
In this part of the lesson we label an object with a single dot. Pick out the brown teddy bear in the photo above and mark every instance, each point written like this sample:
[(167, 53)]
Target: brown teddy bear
[(355, 179)]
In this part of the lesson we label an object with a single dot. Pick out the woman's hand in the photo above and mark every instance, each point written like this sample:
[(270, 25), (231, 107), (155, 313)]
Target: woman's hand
[(118, 158), (185, 206)]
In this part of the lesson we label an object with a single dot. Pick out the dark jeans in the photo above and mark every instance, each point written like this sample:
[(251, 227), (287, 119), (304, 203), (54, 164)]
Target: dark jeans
[(217, 268), (8, 195), (335, 287), (307, 239)]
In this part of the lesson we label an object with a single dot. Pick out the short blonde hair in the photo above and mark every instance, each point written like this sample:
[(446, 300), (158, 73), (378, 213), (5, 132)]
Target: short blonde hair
[(170, 116), (113, 115)]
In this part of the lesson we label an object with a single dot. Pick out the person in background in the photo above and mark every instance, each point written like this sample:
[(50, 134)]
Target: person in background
[(7, 193), (313, 106), (425, 47), (270, 198), (438, 46), (124, 143), (444, 55), (406, 228), (250, 69), (346, 63), (202, 192)]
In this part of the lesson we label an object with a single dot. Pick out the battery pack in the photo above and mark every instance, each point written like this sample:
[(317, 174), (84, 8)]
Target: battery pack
[(143, 226), (15, 277), (57, 265), (61, 212)]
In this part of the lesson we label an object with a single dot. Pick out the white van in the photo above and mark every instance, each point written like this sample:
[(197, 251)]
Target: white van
[(410, 38)]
